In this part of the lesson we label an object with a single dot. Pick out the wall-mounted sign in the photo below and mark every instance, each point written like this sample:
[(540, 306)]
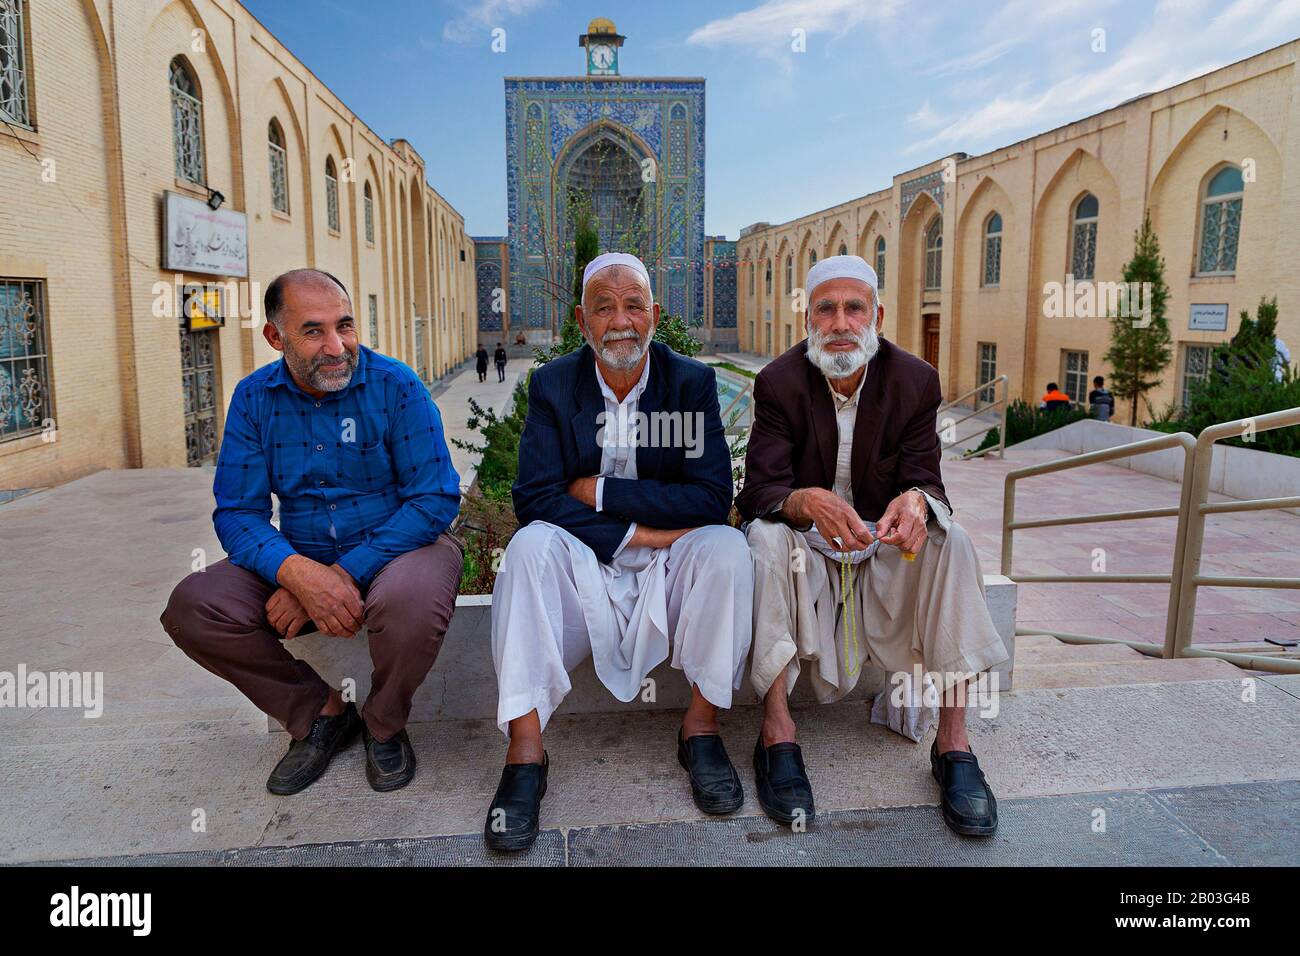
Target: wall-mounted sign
[(1209, 318), (202, 308), (197, 238)]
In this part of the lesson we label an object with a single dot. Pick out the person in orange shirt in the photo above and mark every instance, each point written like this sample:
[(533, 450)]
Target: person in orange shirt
[(1054, 399)]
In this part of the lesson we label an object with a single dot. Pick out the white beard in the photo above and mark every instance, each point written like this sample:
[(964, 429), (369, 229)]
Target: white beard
[(621, 360), (842, 364)]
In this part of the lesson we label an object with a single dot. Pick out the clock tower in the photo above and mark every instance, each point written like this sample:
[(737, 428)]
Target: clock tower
[(602, 42)]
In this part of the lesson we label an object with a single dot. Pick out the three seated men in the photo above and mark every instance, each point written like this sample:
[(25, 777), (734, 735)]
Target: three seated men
[(352, 445), (849, 555)]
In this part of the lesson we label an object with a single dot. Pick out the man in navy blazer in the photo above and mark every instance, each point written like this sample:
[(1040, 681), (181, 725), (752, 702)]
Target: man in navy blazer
[(624, 552)]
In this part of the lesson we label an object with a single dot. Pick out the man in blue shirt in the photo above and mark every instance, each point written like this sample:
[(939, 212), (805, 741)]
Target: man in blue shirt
[(351, 444)]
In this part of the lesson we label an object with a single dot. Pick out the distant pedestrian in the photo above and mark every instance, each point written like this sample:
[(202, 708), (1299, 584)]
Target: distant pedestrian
[(481, 363), (1055, 399), (500, 356), (1101, 400)]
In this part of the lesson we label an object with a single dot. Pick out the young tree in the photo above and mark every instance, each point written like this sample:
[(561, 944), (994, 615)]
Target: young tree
[(1140, 346)]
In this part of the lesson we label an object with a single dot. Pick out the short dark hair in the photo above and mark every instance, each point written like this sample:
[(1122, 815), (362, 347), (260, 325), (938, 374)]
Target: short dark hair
[(273, 301), (1052, 386), (1099, 381)]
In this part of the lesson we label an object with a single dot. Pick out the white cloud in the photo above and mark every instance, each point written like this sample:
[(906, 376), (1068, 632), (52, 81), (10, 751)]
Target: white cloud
[(476, 21), (770, 25), (1179, 43), (974, 61), (925, 117)]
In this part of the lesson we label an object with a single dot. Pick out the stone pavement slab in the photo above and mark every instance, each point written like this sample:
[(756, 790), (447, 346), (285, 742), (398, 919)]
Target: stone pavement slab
[(1250, 824), (138, 792)]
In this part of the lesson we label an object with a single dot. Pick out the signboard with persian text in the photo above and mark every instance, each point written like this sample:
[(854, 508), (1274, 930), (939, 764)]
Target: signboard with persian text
[(1209, 318), (199, 239)]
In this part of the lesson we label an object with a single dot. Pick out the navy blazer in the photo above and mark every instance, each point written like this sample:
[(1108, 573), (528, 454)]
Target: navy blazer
[(560, 443)]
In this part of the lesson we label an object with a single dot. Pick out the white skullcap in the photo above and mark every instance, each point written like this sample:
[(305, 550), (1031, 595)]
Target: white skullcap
[(842, 267), (607, 259)]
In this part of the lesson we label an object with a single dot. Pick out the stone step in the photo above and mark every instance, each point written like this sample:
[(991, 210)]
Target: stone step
[(94, 798), (1036, 640), (463, 685), (1148, 670), (1061, 652)]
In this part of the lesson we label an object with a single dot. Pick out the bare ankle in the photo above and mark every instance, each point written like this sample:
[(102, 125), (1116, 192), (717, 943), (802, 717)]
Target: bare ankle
[(525, 750), (333, 704), (778, 730)]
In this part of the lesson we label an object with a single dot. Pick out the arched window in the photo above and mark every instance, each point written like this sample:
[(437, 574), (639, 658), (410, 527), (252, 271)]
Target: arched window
[(880, 263), (331, 195), (767, 278), (934, 253), (1083, 246), (789, 274), (279, 168), (812, 258), (752, 268), (187, 123), (370, 213), (1220, 223), (844, 250), (992, 251), (14, 105)]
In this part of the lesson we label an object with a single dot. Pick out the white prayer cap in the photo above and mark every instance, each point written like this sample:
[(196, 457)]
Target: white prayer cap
[(607, 259), (842, 267)]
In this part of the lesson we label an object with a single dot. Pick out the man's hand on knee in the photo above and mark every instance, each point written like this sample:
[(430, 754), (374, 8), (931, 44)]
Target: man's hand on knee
[(903, 523), (286, 613), (644, 537), (326, 593)]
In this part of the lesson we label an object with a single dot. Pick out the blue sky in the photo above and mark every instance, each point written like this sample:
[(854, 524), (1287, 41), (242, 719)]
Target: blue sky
[(881, 87)]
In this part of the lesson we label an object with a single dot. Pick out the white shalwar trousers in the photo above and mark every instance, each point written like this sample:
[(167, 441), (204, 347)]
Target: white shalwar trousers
[(554, 603)]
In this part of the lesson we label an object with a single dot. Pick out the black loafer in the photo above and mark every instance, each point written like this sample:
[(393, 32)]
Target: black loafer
[(715, 785), (308, 758), (784, 791), (967, 800), (390, 764), (513, 818)]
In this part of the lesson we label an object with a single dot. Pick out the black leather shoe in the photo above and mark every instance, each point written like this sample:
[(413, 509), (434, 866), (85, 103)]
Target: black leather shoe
[(390, 764), (513, 818), (308, 758), (715, 785), (967, 800), (784, 792)]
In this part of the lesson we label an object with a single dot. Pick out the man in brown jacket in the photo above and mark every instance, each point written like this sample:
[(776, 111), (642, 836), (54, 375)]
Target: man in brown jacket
[(856, 558)]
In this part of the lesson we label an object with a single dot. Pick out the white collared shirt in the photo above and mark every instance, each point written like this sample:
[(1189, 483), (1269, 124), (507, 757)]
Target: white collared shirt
[(846, 417), (619, 444)]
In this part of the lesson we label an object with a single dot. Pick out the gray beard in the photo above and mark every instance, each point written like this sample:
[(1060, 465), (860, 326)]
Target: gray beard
[(843, 364), (310, 372)]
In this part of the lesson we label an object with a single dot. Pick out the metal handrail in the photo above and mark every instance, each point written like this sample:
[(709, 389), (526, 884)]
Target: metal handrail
[(727, 423), (1181, 440), (1184, 577), (1002, 402), (1177, 642)]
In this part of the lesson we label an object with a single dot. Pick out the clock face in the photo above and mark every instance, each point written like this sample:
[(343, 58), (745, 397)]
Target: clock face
[(602, 56)]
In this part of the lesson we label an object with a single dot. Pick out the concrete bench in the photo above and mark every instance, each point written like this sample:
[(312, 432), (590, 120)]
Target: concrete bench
[(463, 685)]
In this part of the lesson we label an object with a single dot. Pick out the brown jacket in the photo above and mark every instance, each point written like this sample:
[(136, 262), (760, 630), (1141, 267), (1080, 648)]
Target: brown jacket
[(794, 438)]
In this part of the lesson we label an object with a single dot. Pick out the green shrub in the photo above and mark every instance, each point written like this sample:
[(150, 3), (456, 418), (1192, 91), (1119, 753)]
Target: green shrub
[(1244, 382), (1024, 421)]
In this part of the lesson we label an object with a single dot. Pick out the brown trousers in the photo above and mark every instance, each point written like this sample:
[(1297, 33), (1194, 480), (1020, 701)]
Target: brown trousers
[(218, 618)]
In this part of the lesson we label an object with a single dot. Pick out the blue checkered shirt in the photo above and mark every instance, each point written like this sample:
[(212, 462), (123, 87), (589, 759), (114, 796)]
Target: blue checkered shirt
[(363, 475)]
